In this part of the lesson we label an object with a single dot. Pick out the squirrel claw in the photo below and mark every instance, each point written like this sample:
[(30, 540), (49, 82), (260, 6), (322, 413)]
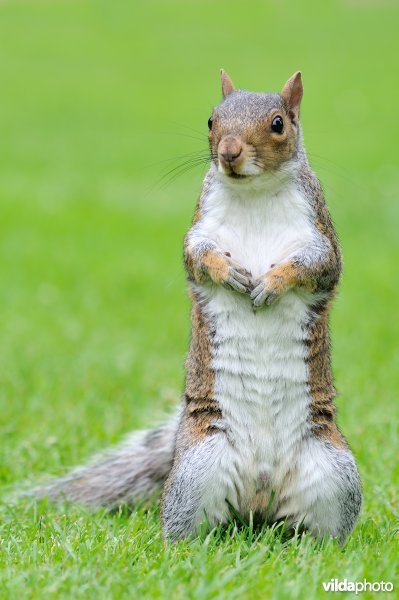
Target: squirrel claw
[(238, 278), (237, 281), (261, 295)]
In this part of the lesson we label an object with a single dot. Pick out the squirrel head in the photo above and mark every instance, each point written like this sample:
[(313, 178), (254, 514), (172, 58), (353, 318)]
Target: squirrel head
[(252, 133)]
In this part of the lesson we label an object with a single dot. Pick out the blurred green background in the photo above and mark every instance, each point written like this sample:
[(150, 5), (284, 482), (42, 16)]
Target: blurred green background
[(99, 100)]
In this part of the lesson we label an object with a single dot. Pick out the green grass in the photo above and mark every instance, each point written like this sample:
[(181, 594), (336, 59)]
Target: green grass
[(94, 317)]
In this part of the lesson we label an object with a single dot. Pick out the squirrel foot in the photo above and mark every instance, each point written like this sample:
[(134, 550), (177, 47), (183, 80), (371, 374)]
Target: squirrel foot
[(238, 278), (227, 272), (268, 288)]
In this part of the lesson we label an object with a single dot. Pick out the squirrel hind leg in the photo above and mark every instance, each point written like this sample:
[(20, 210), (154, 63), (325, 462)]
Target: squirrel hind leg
[(199, 489), (324, 495)]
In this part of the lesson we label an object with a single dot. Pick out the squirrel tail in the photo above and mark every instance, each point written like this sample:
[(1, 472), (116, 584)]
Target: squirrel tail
[(131, 472)]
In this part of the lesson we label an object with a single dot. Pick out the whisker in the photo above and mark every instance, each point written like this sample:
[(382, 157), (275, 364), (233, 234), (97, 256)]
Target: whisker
[(180, 169), (186, 135), (170, 177), (187, 127), (204, 154)]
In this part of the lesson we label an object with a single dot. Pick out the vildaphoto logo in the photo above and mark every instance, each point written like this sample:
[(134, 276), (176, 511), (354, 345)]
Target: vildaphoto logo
[(335, 585)]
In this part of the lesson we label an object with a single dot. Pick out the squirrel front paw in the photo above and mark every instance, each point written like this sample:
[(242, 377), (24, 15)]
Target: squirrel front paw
[(238, 279), (225, 271), (268, 288)]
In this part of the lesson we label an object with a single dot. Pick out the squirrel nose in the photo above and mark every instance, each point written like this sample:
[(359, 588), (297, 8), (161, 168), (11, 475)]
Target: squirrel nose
[(231, 156), (230, 149)]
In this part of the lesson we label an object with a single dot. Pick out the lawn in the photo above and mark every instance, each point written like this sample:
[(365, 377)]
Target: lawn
[(99, 100)]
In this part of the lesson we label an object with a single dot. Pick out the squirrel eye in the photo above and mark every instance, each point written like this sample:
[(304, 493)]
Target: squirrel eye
[(277, 124), (210, 121)]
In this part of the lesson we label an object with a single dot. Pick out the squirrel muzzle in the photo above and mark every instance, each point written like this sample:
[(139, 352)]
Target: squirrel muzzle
[(231, 155)]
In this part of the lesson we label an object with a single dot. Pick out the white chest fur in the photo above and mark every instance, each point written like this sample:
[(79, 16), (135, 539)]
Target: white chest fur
[(259, 357), (258, 228)]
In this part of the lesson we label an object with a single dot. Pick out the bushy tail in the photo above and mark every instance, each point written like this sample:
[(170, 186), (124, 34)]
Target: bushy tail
[(130, 472)]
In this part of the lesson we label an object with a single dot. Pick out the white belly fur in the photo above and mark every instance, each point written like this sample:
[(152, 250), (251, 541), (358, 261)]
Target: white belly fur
[(259, 357)]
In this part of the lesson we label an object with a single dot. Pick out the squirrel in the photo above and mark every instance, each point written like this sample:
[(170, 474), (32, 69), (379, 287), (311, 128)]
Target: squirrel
[(256, 432)]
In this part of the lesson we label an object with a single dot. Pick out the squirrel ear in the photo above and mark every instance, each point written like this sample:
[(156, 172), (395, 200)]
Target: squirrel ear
[(292, 93), (227, 84)]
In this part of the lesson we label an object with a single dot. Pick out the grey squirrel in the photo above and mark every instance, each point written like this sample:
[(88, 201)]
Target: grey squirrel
[(257, 428)]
